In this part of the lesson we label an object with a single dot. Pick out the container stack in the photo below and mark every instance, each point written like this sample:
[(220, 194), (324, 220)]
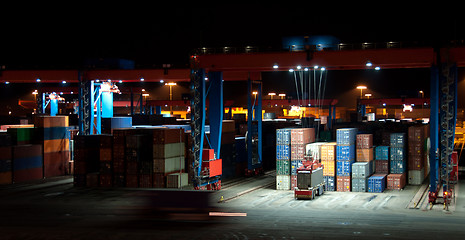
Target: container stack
[(416, 154), (300, 137), (86, 160), (119, 156), (105, 161), (139, 161), (52, 133), (168, 154), (364, 165), (283, 159), (382, 159), (345, 157), (398, 161), (328, 160), (27, 162)]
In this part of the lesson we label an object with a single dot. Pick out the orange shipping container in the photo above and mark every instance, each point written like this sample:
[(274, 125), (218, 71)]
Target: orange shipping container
[(328, 151), (6, 178), (365, 154), (329, 167)]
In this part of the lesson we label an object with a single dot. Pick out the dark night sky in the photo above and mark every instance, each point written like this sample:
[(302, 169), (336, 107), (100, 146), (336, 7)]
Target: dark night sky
[(64, 35)]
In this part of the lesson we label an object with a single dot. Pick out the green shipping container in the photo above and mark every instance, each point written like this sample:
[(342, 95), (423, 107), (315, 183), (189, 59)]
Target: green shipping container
[(21, 135), (283, 167)]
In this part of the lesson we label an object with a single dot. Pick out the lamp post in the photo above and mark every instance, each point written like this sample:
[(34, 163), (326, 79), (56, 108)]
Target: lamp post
[(171, 84), (361, 90)]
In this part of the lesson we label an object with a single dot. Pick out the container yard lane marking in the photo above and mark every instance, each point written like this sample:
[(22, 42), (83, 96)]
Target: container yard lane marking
[(226, 214)]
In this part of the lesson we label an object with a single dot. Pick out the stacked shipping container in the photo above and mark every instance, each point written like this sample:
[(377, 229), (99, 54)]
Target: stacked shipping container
[(364, 165), (328, 160), (416, 154), (345, 156), (396, 179), (283, 159), (300, 137)]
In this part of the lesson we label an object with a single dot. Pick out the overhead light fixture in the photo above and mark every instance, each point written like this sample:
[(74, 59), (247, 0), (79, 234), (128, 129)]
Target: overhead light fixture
[(120, 81), (323, 68), (291, 70), (275, 66), (63, 82), (171, 84), (142, 79), (368, 64), (38, 80), (377, 68), (315, 67), (361, 87), (7, 82), (161, 81), (299, 67)]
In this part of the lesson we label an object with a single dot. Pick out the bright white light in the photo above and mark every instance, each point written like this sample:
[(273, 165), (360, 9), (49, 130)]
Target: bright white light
[(7, 82), (306, 69), (299, 67), (275, 66), (96, 80), (323, 68), (161, 81), (120, 81), (63, 82), (377, 68), (291, 70), (141, 79), (368, 64), (38, 80), (315, 67)]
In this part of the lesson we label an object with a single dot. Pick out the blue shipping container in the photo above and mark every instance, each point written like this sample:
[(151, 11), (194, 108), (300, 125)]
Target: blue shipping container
[(54, 133), (345, 152), (295, 164), (398, 140), (344, 168), (377, 183), (283, 152), (27, 163), (5, 165), (398, 153), (397, 166), (330, 183), (283, 136), (382, 153), (346, 136)]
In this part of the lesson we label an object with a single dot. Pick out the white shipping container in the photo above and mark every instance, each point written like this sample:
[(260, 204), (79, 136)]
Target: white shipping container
[(363, 169), (416, 177), (168, 165), (283, 182), (168, 150), (314, 150), (177, 180)]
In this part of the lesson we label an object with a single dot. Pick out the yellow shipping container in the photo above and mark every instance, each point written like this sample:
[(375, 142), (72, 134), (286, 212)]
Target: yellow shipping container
[(328, 151), (51, 121), (329, 167)]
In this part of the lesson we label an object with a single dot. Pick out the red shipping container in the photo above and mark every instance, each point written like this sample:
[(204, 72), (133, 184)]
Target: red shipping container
[(454, 175), (132, 180), (417, 133), (27, 175), (364, 141), (297, 151), (302, 135), (159, 180), (396, 181), (208, 154), (382, 166), (55, 163), (415, 148), (214, 167), (92, 180), (415, 162), (293, 181), (145, 180), (106, 180), (364, 154), (343, 183)]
